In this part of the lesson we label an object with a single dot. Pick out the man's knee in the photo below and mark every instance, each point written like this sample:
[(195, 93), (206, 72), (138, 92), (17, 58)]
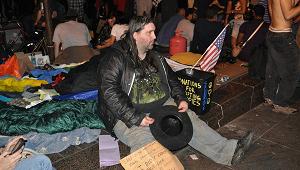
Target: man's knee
[(42, 159), (140, 143), (194, 118), (35, 162)]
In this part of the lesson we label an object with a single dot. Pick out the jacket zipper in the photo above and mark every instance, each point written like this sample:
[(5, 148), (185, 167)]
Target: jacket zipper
[(166, 75), (131, 84)]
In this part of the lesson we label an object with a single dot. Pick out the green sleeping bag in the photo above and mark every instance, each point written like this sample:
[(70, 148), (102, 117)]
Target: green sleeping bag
[(49, 117)]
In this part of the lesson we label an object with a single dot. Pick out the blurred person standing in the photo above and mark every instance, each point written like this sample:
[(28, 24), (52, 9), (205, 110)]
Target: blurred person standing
[(283, 67), (237, 9)]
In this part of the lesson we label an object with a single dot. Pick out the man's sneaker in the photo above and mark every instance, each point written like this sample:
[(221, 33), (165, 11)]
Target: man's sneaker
[(242, 146), (285, 110), (268, 102)]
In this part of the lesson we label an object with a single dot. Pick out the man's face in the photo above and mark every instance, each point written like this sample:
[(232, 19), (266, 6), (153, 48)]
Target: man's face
[(146, 37), (111, 21)]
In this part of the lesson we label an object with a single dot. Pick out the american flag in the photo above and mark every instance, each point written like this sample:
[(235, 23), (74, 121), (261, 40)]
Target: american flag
[(212, 53)]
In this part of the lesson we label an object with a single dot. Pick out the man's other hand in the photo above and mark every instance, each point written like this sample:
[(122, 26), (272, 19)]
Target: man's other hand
[(147, 121), (7, 161), (183, 106)]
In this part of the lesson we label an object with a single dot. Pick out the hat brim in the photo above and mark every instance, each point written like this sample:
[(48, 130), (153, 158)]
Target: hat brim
[(171, 128)]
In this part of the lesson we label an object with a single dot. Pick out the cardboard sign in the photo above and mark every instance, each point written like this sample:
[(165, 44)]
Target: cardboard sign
[(151, 157)]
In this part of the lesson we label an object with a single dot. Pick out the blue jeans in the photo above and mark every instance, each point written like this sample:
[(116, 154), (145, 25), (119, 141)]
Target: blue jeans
[(35, 162), (283, 67), (205, 139)]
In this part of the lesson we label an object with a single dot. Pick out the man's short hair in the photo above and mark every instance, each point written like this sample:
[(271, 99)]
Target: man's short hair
[(189, 11), (259, 10), (121, 18), (72, 14)]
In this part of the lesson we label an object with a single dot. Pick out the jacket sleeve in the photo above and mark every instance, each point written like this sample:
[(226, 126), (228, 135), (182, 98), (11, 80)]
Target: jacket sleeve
[(177, 90), (110, 72)]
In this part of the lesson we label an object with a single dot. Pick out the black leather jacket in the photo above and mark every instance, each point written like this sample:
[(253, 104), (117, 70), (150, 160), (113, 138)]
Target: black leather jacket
[(115, 76)]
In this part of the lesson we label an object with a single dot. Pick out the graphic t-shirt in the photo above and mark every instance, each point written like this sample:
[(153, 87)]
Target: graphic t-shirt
[(148, 92)]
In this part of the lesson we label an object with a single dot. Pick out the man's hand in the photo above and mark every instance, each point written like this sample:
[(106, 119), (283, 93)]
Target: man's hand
[(183, 106), (12, 143), (7, 161), (147, 121)]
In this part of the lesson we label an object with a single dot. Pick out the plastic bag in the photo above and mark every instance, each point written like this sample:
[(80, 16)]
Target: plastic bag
[(11, 67)]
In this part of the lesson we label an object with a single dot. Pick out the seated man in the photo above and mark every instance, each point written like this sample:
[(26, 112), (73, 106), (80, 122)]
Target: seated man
[(105, 30), (74, 38), (186, 27), (205, 31), (14, 161), (118, 29), (247, 28), (168, 29), (129, 64)]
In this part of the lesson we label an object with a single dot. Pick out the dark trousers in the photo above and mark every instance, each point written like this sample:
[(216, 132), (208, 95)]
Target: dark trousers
[(283, 67)]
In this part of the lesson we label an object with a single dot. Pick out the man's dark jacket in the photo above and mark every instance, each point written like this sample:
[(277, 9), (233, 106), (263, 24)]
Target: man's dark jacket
[(115, 76)]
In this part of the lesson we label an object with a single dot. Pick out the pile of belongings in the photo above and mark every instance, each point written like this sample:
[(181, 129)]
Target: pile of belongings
[(47, 99)]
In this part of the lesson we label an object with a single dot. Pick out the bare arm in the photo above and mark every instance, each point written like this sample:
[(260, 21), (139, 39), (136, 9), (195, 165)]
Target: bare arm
[(228, 11), (289, 10), (38, 17), (56, 49), (228, 7), (109, 42)]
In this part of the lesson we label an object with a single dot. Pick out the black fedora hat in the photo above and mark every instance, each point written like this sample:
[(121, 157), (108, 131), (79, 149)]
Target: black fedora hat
[(171, 128)]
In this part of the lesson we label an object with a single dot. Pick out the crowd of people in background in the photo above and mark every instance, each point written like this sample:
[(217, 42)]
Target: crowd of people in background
[(169, 16)]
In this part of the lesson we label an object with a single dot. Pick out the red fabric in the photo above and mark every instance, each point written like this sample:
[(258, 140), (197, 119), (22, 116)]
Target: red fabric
[(97, 4), (121, 4), (60, 77), (10, 67)]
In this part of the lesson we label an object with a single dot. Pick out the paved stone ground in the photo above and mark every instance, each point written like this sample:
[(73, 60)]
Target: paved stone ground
[(276, 146)]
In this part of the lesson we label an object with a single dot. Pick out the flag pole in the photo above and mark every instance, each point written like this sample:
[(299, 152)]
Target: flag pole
[(208, 48)]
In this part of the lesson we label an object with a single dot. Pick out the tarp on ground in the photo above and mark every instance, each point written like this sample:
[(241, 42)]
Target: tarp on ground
[(87, 95), (49, 117)]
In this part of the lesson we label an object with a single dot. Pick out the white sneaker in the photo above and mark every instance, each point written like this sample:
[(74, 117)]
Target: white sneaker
[(285, 110), (268, 102)]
